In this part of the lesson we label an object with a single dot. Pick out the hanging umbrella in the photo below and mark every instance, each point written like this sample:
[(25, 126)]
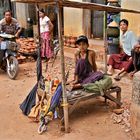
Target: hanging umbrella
[(29, 101)]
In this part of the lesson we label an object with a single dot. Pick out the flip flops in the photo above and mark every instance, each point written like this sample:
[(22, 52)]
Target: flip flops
[(131, 74), (117, 78)]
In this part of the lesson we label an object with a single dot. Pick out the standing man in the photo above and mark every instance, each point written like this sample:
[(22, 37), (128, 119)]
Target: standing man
[(123, 61), (10, 25)]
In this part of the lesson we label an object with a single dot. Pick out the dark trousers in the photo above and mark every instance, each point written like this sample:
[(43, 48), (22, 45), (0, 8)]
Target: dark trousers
[(136, 59), (1, 55)]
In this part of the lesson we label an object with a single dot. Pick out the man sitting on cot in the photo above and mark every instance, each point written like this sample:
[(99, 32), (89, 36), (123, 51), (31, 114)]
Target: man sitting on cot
[(85, 65), (123, 61)]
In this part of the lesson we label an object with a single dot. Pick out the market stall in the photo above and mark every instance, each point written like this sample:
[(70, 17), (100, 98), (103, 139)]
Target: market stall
[(65, 3)]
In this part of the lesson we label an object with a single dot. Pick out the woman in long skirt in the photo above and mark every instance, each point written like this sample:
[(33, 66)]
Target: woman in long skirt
[(46, 28)]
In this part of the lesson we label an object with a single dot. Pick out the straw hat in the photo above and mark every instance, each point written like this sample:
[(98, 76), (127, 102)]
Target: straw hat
[(113, 24)]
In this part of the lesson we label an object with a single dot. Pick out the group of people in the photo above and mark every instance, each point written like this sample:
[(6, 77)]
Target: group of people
[(9, 25), (85, 66), (127, 61)]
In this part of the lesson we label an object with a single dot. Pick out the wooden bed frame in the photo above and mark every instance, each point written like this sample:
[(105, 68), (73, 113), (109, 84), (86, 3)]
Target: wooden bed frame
[(82, 95)]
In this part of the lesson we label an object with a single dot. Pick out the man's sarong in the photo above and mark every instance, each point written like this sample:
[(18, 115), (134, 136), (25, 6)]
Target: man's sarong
[(119, 61)]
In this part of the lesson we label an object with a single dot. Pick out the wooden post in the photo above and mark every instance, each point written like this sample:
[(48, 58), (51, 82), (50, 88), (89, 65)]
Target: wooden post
[(135, 106), (10, 5), (39, 62), (105, 40), (65, 103)]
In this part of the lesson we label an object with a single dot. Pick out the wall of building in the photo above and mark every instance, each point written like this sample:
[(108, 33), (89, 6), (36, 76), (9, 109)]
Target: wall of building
[(4, 5), (73, 19), (133, 19), (22, 14)]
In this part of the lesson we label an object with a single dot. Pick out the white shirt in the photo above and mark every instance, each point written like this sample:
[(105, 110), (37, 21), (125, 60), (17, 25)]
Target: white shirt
[(44, 26), (128, 41)]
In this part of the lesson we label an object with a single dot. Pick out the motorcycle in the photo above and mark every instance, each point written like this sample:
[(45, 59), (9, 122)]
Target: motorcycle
[(8, 53)]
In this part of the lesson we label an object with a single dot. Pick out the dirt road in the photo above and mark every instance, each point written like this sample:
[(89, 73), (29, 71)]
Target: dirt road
[(90, 121)]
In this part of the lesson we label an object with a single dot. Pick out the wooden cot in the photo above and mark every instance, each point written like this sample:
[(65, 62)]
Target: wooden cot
[(80, 95)]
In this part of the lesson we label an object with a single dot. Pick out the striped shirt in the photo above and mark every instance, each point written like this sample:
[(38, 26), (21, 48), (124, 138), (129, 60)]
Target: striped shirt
[(11, 28)]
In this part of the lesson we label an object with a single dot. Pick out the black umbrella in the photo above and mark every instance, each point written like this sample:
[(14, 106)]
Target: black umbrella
[(29, 101)]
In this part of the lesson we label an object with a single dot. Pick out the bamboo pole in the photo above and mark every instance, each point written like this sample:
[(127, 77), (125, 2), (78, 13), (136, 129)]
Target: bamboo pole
[(65, 103), (39, 62), (105, 40)]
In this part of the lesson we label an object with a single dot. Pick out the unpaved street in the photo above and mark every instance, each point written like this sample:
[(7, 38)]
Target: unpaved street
[(90, 121)]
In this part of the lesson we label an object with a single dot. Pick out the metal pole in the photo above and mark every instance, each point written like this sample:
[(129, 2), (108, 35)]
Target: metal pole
[(65, 103)]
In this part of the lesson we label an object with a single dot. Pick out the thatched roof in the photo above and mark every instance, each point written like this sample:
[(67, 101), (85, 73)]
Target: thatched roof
[(83, 5)]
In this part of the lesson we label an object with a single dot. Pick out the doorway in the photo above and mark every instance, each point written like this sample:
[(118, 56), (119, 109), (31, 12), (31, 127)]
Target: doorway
[(97, 21)]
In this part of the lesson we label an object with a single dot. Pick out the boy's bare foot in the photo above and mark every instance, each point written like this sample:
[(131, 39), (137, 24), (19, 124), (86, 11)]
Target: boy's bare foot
[(109, 73), (69, 82)]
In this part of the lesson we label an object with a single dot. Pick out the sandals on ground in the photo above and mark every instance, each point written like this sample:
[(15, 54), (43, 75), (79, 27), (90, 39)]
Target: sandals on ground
[(131, 74), (117, 78)]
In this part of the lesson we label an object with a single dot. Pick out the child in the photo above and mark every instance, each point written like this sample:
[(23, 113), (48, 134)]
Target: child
[(85, 66)]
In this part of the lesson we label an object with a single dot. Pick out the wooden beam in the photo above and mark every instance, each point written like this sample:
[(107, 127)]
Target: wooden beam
[(82, 5), (32, 1), (95, 6), (51, 2)]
